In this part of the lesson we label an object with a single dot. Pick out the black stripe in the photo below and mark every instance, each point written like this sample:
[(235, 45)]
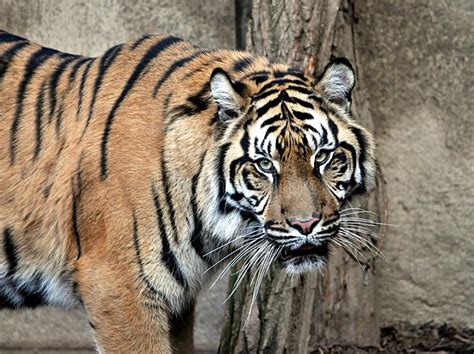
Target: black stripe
[(247, 180), (324, 136), (298, 73), (282, 82), (302, 115), (76, 191), (362, 141), (300, 102), (180, 111), (6, 37), (75, 227), (220, 176), (105, 62), (352, 151), (267, 133), (81, 87), (300, 89), (241, 64), (299, 76), (63, 55), (237, 127), (196, 104), (35, 61), (309, 128), (75, 289), (265, 94), (245, 140), (167, 255), (267, 106), (75, 69), (277, 117), (151, 54), (136, 243), (240, 88), (38, 119), (6, 302), (53, 83), (214, 119), (8, 55), (279, 74), (92, 325), (234, 165), (334, 129), (166, 103), (32, 293), (140, 41), (197, 234), (257, 75), (10, 251), (214, 60), (175, 66), (200, 100), (166, 190), (258, 79), (59, 119)]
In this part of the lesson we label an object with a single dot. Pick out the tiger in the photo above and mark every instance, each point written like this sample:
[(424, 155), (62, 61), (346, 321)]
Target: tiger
[(127, 180)]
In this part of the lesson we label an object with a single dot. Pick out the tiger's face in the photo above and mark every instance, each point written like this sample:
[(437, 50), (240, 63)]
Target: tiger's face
[(294, 156)]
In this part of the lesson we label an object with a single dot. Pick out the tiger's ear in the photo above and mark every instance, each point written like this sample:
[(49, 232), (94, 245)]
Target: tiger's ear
[(229, 96), (337, 82)]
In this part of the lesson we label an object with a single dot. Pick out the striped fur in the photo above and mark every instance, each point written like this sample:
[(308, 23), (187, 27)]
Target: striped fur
[(124, 178)]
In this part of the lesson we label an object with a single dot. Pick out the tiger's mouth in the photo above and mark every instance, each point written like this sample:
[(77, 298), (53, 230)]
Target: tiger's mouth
[(305, 251)]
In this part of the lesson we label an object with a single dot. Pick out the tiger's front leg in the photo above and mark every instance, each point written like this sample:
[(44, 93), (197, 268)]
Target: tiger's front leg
[(124, 316)]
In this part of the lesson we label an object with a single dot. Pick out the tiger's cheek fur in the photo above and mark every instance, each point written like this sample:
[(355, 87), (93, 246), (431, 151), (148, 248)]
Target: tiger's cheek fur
[(338, 175), (256, 188)]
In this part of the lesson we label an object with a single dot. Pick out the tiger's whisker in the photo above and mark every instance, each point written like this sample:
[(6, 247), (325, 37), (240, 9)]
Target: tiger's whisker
[(362, 231), (372, 222), (263, 269), (373, 249), (234, 261), (231, 241), (230, 254), (353, 251), (245, 268)]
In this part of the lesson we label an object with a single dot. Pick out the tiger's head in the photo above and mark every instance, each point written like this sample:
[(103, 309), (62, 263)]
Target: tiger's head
[(291, 155)]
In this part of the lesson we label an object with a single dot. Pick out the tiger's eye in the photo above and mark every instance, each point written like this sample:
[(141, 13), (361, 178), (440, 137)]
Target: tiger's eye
[(265, 164), (321, 157)]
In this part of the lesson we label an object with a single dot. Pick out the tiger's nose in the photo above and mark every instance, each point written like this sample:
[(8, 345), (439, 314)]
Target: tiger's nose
[(304, 226)]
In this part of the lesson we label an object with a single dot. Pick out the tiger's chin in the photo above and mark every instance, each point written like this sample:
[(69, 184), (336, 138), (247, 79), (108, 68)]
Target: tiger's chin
[(304, 258)]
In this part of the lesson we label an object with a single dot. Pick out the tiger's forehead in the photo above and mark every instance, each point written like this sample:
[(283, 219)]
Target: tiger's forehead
[(289, 120)]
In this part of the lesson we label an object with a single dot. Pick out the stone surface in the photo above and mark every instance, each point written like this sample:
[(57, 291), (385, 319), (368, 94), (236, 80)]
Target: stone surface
[(417, 61), (89, 28), (44, 328)]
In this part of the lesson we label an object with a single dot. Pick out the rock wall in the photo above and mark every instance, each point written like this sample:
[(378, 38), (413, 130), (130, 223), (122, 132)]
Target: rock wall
[(417, 62), (420, 76)]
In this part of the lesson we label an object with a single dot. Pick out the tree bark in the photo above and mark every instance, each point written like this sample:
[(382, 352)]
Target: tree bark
[(312, 312)]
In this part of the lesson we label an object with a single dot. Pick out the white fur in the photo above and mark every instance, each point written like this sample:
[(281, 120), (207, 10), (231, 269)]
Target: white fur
[(223, 92)]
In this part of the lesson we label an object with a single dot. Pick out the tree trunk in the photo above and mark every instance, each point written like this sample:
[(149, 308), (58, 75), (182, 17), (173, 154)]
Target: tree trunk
[(313, 312)]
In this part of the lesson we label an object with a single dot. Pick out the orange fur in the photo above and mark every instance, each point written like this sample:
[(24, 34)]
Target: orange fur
[(82, 187)]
